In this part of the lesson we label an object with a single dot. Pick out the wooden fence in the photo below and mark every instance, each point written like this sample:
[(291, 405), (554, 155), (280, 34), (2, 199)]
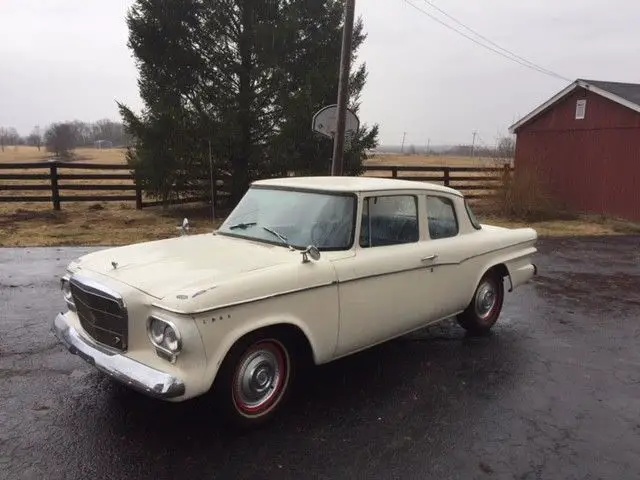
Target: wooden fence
[(116, 183), (474, 182), (19, 182)]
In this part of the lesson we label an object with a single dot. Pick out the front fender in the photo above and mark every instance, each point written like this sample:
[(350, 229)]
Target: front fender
[(314, 311), (230, 339)]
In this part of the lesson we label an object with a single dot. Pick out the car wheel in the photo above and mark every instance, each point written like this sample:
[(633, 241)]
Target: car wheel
[(485, 306), (254, 380)]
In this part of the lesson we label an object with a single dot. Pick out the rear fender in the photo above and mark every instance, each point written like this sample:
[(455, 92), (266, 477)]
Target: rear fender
[(518, 264)]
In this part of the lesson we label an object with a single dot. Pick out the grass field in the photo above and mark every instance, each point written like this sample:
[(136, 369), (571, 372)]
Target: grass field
[(117, 155), (36, 224), (32, 155)]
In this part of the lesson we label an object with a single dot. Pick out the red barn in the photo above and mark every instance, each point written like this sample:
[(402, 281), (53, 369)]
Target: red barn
[(584, 143)]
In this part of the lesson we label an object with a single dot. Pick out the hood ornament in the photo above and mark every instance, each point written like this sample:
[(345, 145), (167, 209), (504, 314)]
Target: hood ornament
[(184, 228), (114, 264)]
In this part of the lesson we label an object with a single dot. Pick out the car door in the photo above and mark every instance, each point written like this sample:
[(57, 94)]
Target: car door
[(383, 289), (450, 247)]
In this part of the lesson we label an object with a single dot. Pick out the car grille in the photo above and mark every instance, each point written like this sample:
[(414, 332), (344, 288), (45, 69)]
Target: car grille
[(102, 314)]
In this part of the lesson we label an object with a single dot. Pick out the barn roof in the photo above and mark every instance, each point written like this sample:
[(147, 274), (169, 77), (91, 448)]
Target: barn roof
[(625, 94)]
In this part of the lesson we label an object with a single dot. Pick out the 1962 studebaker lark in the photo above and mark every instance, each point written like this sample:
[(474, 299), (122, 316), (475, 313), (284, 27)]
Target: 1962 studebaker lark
[(303, 270)]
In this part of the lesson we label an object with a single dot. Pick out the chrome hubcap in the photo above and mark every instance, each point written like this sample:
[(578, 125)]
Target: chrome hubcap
[(486, 299), (258, 379)]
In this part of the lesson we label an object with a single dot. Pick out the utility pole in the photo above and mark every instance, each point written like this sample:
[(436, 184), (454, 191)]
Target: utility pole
[(404, 135), (473, 145), (213, 187), (428, 150), (337, 162)]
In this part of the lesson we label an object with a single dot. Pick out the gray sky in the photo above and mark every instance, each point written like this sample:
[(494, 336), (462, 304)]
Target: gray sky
[(67, 59)]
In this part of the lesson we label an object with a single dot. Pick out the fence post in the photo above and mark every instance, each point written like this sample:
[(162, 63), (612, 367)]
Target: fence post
[(394, 172), (214, 196), (447, 177), (138, 193), (55, 191)]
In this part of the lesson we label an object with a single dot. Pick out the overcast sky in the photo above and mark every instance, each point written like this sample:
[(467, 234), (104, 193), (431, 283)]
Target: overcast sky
[(68, 59)]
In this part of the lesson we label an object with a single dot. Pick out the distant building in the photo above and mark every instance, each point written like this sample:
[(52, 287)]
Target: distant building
[(103, 144), (584, 143)]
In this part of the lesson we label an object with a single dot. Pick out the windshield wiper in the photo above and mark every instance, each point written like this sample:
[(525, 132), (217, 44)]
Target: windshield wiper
[(280, 236), (242, 225)]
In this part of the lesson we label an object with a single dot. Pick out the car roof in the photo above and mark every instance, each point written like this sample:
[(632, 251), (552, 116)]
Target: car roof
[(353, 184)]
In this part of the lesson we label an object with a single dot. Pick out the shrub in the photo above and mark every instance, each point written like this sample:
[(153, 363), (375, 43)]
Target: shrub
[(524, 196)]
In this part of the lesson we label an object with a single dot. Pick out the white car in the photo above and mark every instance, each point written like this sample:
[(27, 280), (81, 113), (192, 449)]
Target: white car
[(306, 269)]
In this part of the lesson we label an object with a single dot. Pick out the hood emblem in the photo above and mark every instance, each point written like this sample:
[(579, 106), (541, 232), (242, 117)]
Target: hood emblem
[(114, 265), (184, 228)]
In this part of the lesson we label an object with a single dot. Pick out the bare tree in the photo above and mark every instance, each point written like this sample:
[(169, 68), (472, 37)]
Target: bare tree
[(505, 150), (61, 139), (83, 133), (34, 139), (8, 136), (506, 147), (106, 129)]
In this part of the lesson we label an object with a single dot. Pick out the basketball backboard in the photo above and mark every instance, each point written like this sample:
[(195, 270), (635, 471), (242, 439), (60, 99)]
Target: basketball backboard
[(325, 120)]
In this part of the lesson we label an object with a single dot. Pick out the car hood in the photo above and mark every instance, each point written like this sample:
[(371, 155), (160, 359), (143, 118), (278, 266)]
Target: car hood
[(191, 262)]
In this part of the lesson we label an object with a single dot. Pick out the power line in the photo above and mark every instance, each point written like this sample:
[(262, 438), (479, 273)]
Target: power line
[(488, 40), (494, 50)]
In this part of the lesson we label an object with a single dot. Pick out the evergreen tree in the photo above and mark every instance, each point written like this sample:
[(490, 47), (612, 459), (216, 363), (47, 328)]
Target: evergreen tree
[(244, 76)]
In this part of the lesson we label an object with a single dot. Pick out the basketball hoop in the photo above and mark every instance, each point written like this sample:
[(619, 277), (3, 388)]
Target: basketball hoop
[(324, 122)]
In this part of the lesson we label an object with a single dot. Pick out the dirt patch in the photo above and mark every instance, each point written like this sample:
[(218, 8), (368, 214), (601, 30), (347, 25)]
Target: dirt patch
[(82, 224)]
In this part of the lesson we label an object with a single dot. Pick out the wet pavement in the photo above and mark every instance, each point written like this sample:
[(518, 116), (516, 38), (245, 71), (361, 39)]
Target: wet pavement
[(554, 392)]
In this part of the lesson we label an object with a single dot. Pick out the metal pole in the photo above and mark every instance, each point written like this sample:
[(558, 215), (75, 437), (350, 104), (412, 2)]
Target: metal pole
[(473, 145), (213, 187), (337, 162)]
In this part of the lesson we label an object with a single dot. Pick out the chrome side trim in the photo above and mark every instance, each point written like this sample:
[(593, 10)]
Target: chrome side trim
[(124, 369), (242, 302), (298, 290), (435, 265)]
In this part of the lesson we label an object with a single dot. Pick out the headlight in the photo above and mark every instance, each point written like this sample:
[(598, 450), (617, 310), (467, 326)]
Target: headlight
[(165, 336), (65, 286), (171, 339), (156, 331)]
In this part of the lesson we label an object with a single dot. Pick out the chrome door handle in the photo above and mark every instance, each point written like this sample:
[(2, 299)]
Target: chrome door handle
[(429, 258)]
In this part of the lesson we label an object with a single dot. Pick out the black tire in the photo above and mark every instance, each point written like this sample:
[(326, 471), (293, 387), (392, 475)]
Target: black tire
[(485, 306), (248, 401)]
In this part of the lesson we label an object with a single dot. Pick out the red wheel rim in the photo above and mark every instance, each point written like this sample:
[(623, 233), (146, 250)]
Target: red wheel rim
[(487, 300), (260, 378)]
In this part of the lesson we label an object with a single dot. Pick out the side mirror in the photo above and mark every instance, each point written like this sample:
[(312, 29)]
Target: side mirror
[(310, 251)]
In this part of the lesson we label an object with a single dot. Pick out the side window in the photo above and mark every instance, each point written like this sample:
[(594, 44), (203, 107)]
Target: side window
[(389, 220), (442, 217)]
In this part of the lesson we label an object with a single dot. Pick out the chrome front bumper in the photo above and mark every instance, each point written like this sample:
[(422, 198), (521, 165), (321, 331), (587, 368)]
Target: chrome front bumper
[(134, 374)]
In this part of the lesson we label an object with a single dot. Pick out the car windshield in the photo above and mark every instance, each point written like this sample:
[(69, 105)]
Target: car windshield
[(293, 218)]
